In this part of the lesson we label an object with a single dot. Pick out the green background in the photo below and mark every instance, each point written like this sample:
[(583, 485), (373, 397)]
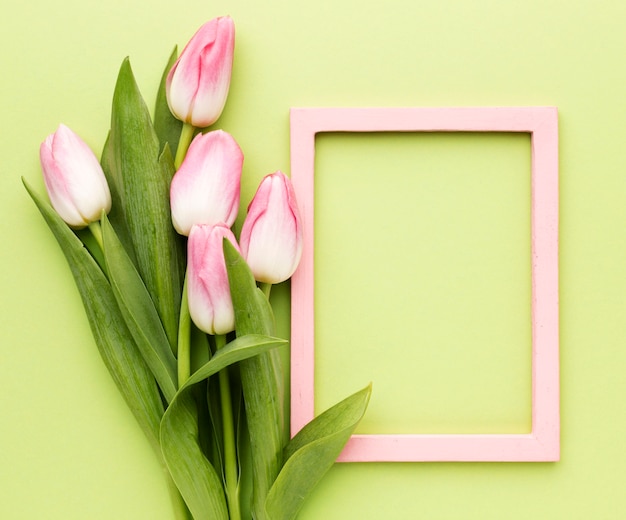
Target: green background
[(443, 264)]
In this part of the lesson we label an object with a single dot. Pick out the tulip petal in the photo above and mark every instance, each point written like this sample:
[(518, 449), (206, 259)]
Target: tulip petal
[(90, 193), (56, 186), (198, 83), (74, 178), (205, 189), (214, 80), (210, 303), (271, 238)]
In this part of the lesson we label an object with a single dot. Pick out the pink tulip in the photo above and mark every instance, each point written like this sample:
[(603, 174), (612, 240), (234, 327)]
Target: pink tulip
[(208, 292), (76, 184), (205, 189), (271, 238), (197, 84)]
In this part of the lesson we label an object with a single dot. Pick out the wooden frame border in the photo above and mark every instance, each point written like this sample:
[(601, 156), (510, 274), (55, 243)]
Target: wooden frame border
[(543, 442)]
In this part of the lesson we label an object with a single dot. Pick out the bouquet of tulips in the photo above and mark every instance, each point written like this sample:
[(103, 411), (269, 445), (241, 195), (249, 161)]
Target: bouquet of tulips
[(179, 308)]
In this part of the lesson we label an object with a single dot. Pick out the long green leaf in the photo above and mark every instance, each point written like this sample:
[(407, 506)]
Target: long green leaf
[(312, 452), (167, 127), (240, 349), (198, 481), (112, 337), (139, 312), (261, 379), (143, 175), (117, 215), (195, 477)]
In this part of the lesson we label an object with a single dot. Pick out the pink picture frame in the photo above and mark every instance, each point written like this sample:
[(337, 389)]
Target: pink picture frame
[(543, 442)]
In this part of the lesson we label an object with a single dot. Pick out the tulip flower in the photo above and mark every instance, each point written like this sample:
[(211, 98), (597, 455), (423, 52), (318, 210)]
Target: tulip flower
[(74, 179), (205, 189), (208, 292), (271, 238), (197, 84)]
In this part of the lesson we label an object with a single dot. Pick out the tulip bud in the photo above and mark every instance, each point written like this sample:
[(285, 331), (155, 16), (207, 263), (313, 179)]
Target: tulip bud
[(74, 179), (205, 189), (197, 85), (271, 238), (208, 292)]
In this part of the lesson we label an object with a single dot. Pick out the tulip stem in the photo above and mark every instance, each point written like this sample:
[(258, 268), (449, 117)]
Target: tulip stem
[(266, 288), (96, 231), (230, 452), (184, 141), (184, 338)]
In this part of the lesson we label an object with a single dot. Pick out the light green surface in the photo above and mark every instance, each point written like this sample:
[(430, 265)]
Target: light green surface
[(70, 449), (425, 276)]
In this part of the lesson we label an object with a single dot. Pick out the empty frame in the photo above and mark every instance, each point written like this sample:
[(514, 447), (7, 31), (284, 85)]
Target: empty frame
[(541, 123)]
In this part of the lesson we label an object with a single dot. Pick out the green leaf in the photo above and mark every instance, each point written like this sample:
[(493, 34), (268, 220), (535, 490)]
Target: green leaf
[(139, 312), (167, 127), (261, 380), (112, 337), (312, 452), (240, 349), (193, 474), (198, 481), (117, 215), (143, 176)]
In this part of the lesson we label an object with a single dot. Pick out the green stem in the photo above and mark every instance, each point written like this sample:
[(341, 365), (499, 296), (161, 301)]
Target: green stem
[(266, 288), (184, 338), (96, 231), (230, 451), (184, 141)]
